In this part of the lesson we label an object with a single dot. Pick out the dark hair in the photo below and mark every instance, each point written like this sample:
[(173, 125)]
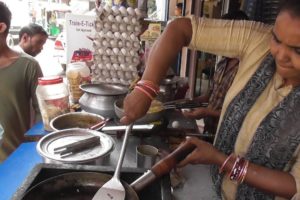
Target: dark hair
[(237, 14), (179, 5), (5, 15), (292, 6), (32, 29)]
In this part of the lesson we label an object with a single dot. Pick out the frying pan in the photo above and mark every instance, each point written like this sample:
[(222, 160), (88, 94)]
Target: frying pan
[(83, 185)]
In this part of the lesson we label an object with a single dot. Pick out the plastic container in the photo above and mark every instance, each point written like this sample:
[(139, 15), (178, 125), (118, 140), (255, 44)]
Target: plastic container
[(53, 98), (77, 73)]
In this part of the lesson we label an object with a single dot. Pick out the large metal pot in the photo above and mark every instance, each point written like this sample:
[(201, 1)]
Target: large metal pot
[(99, 98), (94, 156)]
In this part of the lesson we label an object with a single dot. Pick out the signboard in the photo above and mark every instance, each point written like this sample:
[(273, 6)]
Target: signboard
[(80, 32)]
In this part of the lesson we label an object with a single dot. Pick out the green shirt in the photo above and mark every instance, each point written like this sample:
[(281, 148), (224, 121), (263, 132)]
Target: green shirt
[(17, 91)]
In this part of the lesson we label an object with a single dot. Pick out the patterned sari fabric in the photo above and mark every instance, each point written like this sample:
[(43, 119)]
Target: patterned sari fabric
[(276, 138)]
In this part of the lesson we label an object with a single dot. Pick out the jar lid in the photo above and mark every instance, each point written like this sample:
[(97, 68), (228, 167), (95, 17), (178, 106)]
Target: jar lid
[(50, 80)]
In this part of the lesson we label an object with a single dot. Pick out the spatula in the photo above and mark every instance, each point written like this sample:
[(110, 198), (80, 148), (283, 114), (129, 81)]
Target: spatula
[(113, 189)]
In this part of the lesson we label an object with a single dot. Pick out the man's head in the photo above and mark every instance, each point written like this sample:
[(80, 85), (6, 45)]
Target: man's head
[(5, 18), (32, 39), (178, 9)]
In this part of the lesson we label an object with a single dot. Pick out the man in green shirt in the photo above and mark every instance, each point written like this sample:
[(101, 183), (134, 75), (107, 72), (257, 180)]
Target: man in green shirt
[(19, 73)]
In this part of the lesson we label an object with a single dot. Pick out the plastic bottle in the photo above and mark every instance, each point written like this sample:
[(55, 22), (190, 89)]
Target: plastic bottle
[(53, 98), (77, 73)]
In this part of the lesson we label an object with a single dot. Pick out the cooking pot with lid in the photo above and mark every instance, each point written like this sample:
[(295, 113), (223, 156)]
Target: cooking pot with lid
[(99, 98)]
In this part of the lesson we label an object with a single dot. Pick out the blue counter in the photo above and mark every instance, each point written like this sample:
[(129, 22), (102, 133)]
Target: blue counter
[(16, 168)]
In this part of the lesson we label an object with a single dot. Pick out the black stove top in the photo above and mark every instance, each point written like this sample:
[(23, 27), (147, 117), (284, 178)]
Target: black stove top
[(159, 190)]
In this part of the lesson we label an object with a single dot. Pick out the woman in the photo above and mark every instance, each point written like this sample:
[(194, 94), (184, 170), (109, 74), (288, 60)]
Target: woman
[(255, 153)]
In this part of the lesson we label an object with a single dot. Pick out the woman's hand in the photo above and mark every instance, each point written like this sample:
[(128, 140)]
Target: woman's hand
[(136, 105), (197, 113), (205, 153)]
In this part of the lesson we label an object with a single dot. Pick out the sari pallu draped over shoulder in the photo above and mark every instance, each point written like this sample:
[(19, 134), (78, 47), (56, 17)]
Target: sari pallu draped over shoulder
[(276, 138)]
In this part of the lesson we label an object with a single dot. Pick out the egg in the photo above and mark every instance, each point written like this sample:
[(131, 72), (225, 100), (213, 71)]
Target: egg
[(121, 59), (96, 43), (133, 37), (116, 66), (114, 27), (132, 53), (93, 67), (123, 51), (130, 11), (116, 80), (109, 34), (113, 74), (128, 59), (99, 10), (117, 35), (123, 10), (120, 44), (132, 68), (108, 80), (123, 67), (115, 10), (124, 35), (122, 27), (111, 18), (101, 51), (105, 43), (126, 19), (138, 12), (113, 59), (118, 18), (133, 20), (100, 66), (129, 28), (128, 44), (105, 73), (137, 29), (108, 66), (135, 60), (107, 25), (116, 51), (113, 43), (128, 75), (175, 124), (134, 75), (99, 24), (105, 58), (107, 8), (120, 74), (109, 51)]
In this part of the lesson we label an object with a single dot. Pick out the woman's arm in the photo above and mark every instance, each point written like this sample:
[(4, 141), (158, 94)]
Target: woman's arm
[(271, 181), (176, 35)]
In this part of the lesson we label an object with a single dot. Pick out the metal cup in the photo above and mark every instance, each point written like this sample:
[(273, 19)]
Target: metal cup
[(146, 156)]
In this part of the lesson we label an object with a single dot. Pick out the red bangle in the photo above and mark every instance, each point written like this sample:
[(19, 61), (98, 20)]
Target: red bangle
[(144, 92), (148, 88), (224, 163), (149, 84)]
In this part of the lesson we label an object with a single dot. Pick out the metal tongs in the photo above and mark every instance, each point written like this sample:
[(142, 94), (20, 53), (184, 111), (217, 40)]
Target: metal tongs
[(182, 105), (75, 147)]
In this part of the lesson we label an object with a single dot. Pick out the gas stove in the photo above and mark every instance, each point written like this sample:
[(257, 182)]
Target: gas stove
[(159, 190)]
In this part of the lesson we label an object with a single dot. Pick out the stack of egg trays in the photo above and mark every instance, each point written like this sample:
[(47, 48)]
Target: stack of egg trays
[(116, 45)]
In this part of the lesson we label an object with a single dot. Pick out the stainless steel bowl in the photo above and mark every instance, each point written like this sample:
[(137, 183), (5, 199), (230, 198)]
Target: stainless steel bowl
[(100, 98), (94, 156), (75, 120), (148, 118)]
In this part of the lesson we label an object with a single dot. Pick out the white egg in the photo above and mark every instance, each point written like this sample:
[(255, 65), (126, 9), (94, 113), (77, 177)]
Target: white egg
[(93, 67), (122, 27), (123, 51), (114, 27), (113, 59), (116, 51), (118, 18), (133, 20), (123, 10), (109, 51), (120, 74), (134, 74), (116, 66), (124, 82), (138, 12), (116, 80), (117, 35), (107, 25), (128, 75), (98, 57), (105, 58), (101, 34), (99, 24), (96, 43), (124, 35), (129, 28), (111, 18), (109, 34), (136, 44), (108, 66), (133, 37), (132, 68), (105, 43), (101, 51), (121, 59), (113, 74), (126, 19), (132, 53), (130, 11), (113, 43), (100, 66), (137, 29), (120, 44), (96, 71), (135, 60), (128, 44), (107, 8), (123, 67), (128, 59), (175, 124), (115, 10), (105, 73)]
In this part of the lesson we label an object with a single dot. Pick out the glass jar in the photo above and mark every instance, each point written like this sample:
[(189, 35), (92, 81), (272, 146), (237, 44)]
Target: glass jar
[(53, 98), (77, 73)]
